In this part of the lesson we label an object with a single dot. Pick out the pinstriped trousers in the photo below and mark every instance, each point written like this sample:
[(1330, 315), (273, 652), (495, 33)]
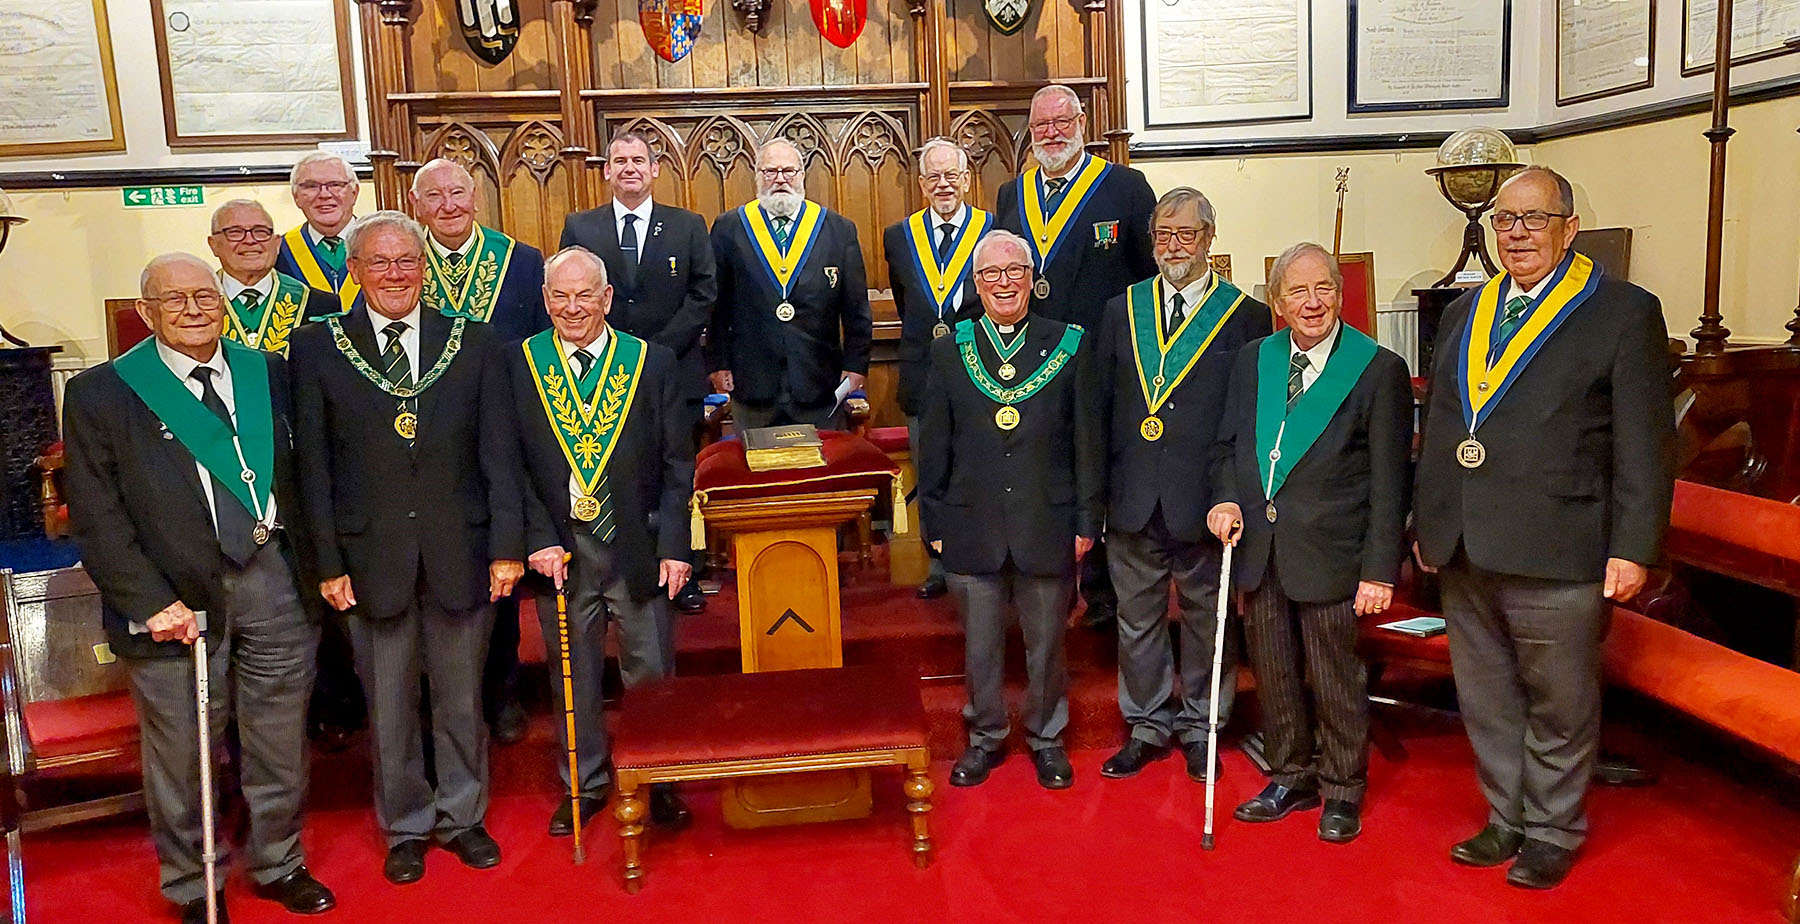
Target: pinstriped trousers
[(1284, 638)]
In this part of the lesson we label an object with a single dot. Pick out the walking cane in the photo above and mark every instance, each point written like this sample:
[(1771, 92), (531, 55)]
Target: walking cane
[(1212, 716), (209, 855), (568, 684)]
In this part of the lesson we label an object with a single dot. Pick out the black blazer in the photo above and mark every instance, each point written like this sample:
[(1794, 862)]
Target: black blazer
[(1140, 475), (918, 314), (319, 305), (651, 473), (671, 296), (139, 513), (1341, 514), (1580, 452), (1083, 275), (830, 331), (381, 511), (1024, 493), (519, 313)]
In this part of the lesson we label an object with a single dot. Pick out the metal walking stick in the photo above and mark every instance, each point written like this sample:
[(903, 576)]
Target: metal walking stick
[(568, 687), (1212, 712), (209, 855)]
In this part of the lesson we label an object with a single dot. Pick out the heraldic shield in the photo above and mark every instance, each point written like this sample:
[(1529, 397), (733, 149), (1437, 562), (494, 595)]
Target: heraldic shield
[(491, 27), (670, 26), (1007, 15), (840, 21)]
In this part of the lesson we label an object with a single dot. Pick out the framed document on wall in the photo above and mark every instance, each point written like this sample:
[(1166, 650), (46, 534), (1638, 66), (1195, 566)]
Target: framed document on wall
[(58, 94), (1759, 29), (238, 72), (1208, 62), (1603, 48), (1408, 55)]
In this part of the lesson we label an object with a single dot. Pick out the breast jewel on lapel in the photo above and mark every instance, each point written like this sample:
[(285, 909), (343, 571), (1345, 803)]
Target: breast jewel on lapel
[(1106, 234), (831, 275), (165, 430), (656, 230), (671, 266)]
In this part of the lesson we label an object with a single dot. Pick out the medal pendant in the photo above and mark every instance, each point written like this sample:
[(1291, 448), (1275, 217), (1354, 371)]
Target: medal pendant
[(1269, 511), (1158, 381), (1041, 288), (1007, 417), (940, 330), (1481, 386), (1007, 371), (259, 534), (784, 312), (1470, 453), (586, 508), (1151, 429), (406, 423), (250, 339)]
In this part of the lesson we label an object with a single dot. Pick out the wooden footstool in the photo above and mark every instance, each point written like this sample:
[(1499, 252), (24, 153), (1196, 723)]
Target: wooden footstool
[(729, 726)]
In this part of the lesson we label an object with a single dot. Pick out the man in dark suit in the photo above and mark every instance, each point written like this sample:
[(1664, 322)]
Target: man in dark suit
[(1087, 222), (262, 306), (324, 188), (408, 479), (1316, 444), (185, 551), (1011, 473), (791, 328), (478, 273), (619, 510), (660, 262), (1164, 352), (1545, 479), (928, 257)]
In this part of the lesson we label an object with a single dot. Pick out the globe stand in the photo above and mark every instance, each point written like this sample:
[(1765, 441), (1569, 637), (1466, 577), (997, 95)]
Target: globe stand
[(1474, 245), (1471, 188)]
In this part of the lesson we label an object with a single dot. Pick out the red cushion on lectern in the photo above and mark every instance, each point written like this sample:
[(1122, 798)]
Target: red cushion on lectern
[(851, 462), (82, 724), (890, 439), (722, 717), (1378, 644)]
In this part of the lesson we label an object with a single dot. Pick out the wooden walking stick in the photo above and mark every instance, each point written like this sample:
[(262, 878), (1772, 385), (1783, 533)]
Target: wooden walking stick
[(568, 686), (1212, 717), (209, 855)]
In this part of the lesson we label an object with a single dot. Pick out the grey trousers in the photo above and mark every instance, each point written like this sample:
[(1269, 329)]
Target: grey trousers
[(1339, 723), (1526, 656), (595, 593), (263, 672), (392, 655), (912, 442), (1143, 565), (1043, 605)]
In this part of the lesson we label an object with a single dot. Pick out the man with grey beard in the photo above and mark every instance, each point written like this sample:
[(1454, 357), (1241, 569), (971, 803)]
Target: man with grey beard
[(792, 320), (1088, 224)]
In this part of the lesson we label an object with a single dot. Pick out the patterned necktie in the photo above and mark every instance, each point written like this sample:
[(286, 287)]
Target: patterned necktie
[(1057, 185), (334, 252), (395, 368), (1297, 364), (781, 231), (604, 525), (946, 232), (248, 299), (1177, 314), (235, 523), (1510, 322), (628, 248)]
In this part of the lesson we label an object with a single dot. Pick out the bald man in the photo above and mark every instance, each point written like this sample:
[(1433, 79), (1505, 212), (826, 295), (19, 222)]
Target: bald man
[(473, 271), (262, 305)]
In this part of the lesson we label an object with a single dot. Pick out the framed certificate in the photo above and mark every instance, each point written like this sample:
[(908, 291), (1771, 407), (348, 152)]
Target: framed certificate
[(58, 94), (1208, 62), (1759, 29), (1603, 48), (1409, 55)]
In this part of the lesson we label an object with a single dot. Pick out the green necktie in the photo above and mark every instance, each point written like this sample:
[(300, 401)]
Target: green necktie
[(781, 231), (1510, 322), (1057, 185), (587, 380), (394, 366), (247, 300), (1176, 312), (334, 252), (1297, 364)]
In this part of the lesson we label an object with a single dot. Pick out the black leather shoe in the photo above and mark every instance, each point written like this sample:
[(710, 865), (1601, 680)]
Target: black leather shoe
[(1195, 752), (1341, 821), (299, 893), (1053, 770), (973, 766), (690, 599), (475, 848), (1276, 802), (1491, 847), (1541, 865), (667, 811), (562, 820), (934, 586), (405, 861), (1134, 756), (509, 723), (194, 912)]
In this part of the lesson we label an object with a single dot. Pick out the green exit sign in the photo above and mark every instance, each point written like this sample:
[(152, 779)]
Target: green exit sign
[(150, 197)]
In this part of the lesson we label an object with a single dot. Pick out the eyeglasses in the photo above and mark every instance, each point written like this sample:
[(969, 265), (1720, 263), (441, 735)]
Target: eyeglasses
[(383, 264), (1183, 235), (947, 176), (238, 235), (1534, 220), (436, 197), (176, 302), (779, 173), (333, 187), (1324, 291), (1061, 124), (1012, 273)]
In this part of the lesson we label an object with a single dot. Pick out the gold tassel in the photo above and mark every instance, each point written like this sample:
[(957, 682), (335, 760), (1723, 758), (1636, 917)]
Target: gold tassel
[(899, 501), (696, 522)]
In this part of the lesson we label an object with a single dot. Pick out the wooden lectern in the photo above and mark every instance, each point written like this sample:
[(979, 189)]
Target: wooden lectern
[(784, 526)]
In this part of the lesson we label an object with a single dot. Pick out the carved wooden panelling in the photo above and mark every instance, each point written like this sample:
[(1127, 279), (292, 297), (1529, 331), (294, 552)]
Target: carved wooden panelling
[(1052, 43), (442, 61), (524, 188), (787, 51)]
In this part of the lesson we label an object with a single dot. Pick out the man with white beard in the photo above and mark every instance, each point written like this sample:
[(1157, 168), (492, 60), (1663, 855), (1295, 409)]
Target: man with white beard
[(792, 319)]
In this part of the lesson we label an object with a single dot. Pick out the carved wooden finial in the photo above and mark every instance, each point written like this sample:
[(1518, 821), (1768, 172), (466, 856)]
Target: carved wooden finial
[(753, 13)]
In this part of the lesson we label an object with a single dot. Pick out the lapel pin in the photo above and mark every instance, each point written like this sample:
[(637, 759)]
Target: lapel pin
[(656, 229), (671, 266)]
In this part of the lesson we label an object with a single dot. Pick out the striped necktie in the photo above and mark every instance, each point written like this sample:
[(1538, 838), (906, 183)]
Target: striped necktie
[(781, 230), (606, 525), (1510, 322), (1297, 365), (394, 366)]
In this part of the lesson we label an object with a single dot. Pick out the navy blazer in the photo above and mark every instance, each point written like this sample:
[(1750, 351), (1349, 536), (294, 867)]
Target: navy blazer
[(1086, 272)]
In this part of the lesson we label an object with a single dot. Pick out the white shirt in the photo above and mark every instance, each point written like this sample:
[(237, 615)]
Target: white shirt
[(409, 338), (1534, 293), (934, 221), (466, 248), (231, 287), (183, 366), (1190, 299), (597, 349), (643, 226), (318, 235), (1316, 357)]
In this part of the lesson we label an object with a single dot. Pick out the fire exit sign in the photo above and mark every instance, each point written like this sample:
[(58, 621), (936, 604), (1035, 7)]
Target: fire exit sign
[(150, 197)]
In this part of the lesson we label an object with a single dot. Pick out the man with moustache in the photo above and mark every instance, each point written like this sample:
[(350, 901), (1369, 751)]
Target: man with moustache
[(612, 491), (409, 481), (1087, 222), (1544, 485), (1011, 474), (478, 273), (660, 262), (792, 320), (181, 492), (928, 257), (1165, 351), (1315, 444), (262, 306), (324, 187)]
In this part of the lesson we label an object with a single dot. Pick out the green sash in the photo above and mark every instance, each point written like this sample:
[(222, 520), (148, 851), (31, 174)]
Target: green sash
[(1282, 438), (588, 431), (1156, 352), (267, 326), (243, 462), (471, 289), (1059, 358)]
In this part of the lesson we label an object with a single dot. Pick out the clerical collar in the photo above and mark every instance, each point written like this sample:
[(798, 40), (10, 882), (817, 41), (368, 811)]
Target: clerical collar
[(466, 248), (232, 288)]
